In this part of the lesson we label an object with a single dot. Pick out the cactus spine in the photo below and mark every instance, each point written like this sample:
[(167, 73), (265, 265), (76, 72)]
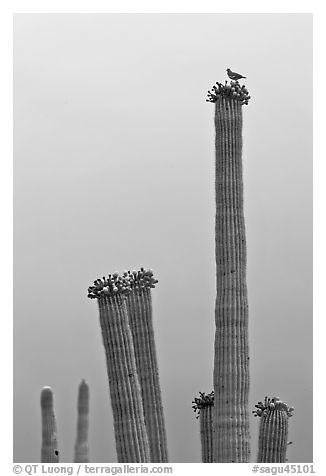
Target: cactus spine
[(129, 424), (231, 366), (139, 305), (204, 406), (49, 450), (273, 430), (81, 445)]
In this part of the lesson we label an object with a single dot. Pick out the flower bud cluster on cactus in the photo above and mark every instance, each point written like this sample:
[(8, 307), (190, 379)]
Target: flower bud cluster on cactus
[(141, 279), (203, 401), (115, 284), (232, 91), (269, 404)]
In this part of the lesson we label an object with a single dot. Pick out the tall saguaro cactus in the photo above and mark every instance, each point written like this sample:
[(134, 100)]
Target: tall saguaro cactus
[(231, 366), (81, 444), (49, 450), (139, 305), (204, 406), (273, 430), (129, 424)]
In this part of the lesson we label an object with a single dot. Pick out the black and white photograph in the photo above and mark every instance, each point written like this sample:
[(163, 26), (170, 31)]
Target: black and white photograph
[(163, 247)]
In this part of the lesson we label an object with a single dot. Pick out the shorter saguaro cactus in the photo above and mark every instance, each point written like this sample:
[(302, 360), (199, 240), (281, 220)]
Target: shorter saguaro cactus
[(81, 445), (49, 450), (128, 414), (273, 430), (204, 408), (140, 312)]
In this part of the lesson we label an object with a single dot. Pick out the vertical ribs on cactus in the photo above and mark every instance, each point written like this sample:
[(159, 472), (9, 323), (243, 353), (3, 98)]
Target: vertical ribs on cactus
[(128, 415), (81, 444), (49, 449), (231, 355), (139, 306), (273, 430), (203, 406)]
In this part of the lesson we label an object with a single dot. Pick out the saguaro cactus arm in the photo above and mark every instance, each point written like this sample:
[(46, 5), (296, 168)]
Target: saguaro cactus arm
[(231, 366), (81, 444), (203, 406), (49, 450), (128, 414), (273, 430)]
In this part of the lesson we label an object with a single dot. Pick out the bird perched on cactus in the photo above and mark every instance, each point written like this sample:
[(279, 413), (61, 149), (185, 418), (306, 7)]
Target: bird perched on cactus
[(234, 76)]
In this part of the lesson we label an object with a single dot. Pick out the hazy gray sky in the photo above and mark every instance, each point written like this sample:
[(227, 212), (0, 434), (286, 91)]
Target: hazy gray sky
[(114, 169)]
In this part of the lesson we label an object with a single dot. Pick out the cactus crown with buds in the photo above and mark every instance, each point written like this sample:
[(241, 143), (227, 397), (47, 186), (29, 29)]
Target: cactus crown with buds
[(270, 404), (141, 279), (202, 402), (115, 284), (231, 91)]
